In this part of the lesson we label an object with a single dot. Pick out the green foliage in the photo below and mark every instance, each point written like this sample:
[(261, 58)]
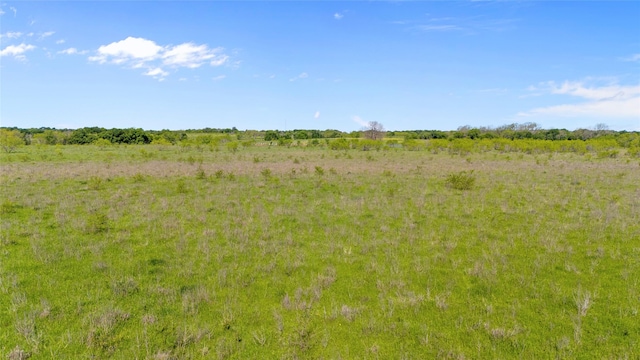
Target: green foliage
[(271, 136), (232, 146), (97, 222), (608, 154), (10, 140), (463, 180), (181, 187), (102, 143), (413, 145), (339, 144), (95, 183)]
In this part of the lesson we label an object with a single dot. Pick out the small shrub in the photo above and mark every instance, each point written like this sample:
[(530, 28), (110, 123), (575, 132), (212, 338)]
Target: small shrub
[(612, 154), (97, 222), (200, 174), (95, 183), (9, 207), (319, 171), (181, 187), (461, 181), (233, 146), (266, 173)]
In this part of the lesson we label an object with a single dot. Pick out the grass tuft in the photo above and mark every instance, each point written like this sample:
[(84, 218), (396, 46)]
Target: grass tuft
[(463, 180)]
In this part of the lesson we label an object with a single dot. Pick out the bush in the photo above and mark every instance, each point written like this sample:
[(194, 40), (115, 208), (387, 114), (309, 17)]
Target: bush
[(339, 144), (461, 181), (10, 140)]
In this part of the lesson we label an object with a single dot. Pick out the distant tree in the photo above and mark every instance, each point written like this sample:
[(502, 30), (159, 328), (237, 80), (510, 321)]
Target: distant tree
[(374, 131), (316, 134), (10, 140), (271, 136), (83, 136), (601, 129), (300, 134)]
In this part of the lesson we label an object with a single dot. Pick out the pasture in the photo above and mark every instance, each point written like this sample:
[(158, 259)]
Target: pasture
[(170, 252)]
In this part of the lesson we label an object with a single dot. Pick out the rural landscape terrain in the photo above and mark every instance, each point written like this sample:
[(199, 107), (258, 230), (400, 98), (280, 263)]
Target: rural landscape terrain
[(515, 242)]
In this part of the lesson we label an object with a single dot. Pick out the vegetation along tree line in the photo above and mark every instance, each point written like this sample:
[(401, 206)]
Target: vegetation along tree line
[(525, 137)]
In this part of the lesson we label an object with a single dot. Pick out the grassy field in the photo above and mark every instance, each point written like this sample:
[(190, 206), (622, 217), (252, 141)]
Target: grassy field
[(168, 252)]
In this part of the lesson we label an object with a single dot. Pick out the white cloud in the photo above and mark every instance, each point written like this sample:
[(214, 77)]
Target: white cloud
[(2, 12), (634, 57), (316, 115), (359, 120), (61, 41), (304, 75), (16, 51), (607, 101), (72, 51), (219, 77), (11, 35), (157, 73), (46, 34), (128, 49), (15, 11), (338, 16), (192, 56), (140, 53), (438, 27)]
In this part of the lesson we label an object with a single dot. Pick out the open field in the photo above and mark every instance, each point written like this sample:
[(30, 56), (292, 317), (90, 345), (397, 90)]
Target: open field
[(163, 252)]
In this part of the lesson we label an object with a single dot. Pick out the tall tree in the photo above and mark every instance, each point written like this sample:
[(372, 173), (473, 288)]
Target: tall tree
[(374, 131)]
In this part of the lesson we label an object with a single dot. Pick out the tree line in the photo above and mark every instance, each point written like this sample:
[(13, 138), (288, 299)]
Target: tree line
[(374, 131)]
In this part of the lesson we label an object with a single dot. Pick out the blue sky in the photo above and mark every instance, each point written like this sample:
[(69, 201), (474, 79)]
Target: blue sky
[(319, 64)]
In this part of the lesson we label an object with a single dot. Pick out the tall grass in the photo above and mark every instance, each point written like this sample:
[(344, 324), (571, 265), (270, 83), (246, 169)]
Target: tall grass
[(155, 256)]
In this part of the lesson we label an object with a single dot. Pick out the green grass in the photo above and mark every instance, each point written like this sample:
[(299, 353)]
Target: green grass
[(169, 252)]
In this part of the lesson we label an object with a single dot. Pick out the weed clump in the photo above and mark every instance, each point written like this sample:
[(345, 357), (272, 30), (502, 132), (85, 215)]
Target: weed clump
[(464, 180), (201, 174), (97, 222)]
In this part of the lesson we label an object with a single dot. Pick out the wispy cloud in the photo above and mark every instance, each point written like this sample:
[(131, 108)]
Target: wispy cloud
[(143, 53), (304, 75), (11, 35), (219, 77), (338, 16), (467, 25), (72, 51), (15, 11), (61, 41), (17, 51), (438, 27), (45, 35), (359, 120), (157, 73), (192, 56), (316, 115), (634, 57), (606, 101)]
